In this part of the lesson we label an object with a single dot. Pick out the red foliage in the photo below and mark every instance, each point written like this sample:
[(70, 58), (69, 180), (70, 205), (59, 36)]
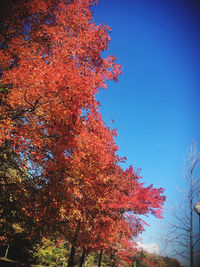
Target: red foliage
[(52, 116)]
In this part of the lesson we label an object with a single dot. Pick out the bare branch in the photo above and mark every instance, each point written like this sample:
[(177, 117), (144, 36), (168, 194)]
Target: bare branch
[(181, 233)]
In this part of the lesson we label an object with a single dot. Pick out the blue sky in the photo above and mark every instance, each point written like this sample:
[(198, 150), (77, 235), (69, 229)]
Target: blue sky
[(155, 104)]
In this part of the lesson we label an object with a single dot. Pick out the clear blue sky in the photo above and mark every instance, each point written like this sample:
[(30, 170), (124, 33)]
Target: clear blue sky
[(155, 104)]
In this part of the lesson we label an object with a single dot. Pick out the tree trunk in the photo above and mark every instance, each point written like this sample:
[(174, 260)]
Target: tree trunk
[(113, 258), (86, 261), (6, 254), (72, 252), (82, 258), (100, 257), (71, 257)]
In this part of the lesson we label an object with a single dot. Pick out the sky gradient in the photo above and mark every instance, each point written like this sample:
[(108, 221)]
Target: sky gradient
[(155, 104)]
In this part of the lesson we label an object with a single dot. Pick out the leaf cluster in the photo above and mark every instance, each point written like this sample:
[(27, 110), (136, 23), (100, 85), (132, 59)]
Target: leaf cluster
[(66, 170)]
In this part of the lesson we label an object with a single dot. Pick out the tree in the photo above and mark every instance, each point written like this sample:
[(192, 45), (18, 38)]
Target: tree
[(52, 68), (15, 188), (51, 252), (182, 233)]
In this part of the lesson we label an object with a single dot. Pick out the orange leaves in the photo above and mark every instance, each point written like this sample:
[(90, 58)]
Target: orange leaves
[(5, 59), (38, 6), (55, 75), (77, 15)]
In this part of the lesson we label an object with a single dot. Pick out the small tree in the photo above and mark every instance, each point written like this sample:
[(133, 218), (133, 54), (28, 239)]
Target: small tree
[(51, 252), (182, 233)]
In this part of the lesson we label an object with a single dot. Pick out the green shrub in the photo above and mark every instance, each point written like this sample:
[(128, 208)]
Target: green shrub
[(51, 252)]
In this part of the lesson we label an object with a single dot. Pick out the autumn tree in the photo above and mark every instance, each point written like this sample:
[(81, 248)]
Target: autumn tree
[(52, 67)]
